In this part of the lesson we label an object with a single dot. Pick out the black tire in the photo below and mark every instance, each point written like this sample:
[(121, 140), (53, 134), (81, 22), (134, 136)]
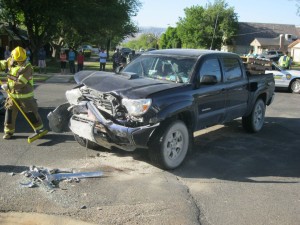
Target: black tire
[(295, 86), (255, 121), (83, 142), (170, 145)]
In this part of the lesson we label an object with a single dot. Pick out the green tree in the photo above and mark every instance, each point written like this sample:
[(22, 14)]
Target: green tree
[(39, 18), (170, 39), (145, 41), (72, 22), (208, 27)]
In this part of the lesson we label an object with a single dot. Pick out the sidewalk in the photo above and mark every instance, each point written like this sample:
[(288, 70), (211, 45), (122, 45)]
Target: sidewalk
[(57, 78)]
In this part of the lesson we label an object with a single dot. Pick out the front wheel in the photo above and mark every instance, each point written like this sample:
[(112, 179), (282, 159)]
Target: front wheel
[(255, 121), (170, 145), (295, 86)]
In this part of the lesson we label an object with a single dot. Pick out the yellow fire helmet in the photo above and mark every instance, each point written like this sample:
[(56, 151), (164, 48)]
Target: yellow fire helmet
[(19, 54)]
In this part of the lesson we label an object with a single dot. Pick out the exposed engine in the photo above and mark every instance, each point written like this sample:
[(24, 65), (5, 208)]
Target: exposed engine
[(109, 104)]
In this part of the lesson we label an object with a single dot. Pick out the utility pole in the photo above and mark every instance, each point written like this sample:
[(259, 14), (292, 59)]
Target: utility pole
[(212, 40)]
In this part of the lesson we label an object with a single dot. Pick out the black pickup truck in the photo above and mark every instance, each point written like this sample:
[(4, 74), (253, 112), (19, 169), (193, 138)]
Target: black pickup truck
[(159, 99)]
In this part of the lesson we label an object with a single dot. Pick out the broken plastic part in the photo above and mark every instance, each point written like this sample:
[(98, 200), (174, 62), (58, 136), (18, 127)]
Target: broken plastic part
[(48, 177)]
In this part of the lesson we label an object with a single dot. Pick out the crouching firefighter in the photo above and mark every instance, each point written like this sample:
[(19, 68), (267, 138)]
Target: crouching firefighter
[(20, 96)]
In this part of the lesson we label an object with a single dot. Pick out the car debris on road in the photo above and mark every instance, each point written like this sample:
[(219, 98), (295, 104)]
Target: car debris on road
[(49, 178)]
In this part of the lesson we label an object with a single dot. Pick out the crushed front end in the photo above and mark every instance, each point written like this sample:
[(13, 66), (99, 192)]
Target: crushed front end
[(105, 118)]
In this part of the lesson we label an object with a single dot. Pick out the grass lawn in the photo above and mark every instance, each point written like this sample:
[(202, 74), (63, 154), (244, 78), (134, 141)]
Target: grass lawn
[(53, 66), (295, 66), (91, 63)]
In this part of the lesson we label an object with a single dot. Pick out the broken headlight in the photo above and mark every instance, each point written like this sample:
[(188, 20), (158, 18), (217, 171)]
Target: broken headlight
[(73, 96), (137, 107)]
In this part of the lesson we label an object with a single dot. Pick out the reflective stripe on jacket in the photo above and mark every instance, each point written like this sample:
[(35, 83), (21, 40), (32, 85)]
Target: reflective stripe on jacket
[(14, 77), (3, 65), (284, 61)]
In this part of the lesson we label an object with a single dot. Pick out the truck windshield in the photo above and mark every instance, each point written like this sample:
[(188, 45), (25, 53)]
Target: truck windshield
[(173, 69)]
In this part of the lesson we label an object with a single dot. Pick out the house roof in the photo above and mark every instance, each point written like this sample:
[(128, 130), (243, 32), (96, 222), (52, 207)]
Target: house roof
[(294, 43), (247, 32), (4, 29), (266, 41)]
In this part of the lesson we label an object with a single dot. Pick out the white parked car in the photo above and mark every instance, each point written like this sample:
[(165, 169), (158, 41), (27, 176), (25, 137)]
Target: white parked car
[(289, 79), (88, 48)]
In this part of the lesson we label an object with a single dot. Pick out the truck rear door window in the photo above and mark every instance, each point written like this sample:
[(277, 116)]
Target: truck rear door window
[(211, 67), (232, 69)]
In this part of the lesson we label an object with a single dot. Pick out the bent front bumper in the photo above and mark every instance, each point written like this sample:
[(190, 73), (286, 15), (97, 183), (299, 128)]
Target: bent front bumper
[(106, 133)]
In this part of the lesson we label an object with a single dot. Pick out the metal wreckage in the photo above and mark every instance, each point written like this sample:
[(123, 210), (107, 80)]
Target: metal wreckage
[(49, 178), (98, 111)]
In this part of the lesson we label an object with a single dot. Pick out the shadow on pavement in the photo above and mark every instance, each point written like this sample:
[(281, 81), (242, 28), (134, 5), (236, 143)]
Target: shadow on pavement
[(12, 169), (23, 129), (230, 153)]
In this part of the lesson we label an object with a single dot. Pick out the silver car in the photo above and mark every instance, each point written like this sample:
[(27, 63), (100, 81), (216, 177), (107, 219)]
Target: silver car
[(289, 79)]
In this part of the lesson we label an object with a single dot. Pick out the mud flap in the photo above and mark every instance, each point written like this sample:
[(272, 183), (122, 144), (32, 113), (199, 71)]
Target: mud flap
[(59, 118)]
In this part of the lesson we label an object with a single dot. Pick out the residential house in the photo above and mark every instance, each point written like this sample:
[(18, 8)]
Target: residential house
[(262, 36), (8, 38), (295, 50)]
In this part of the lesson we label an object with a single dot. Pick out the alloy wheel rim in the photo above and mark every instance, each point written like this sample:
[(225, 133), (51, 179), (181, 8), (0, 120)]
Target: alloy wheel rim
[(174, 145), (258, 118), (296, 86)]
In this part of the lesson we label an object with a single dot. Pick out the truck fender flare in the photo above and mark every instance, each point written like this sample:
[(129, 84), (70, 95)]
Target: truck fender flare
[(253, 99), (175, 109)]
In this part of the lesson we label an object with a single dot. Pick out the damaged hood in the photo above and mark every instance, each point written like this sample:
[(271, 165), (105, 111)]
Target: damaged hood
[(128, 85)]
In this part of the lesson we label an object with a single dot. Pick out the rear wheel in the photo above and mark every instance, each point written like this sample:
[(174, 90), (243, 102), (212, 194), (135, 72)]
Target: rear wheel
[(255, 121), (170, 145), (86, 143), (295, 86)]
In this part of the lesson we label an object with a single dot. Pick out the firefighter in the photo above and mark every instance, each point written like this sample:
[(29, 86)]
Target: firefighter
[(285, 61), (20, 86)]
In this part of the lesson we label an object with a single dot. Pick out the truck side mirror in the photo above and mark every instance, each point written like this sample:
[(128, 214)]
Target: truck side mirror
[(208, 79)]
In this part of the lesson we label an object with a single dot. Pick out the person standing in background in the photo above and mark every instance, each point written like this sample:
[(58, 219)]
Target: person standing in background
[(28, 54), (42, 60), (63, 61), (80, 61), (116, 59), (103, 57), (71, 58), (7, 54), (284, 61)]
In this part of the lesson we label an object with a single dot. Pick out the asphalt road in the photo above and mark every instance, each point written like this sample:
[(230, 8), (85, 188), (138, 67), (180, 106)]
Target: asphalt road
[(231, 177)]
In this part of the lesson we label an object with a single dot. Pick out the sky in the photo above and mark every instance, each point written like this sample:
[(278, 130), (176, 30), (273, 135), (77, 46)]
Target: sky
[(164, 13)]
